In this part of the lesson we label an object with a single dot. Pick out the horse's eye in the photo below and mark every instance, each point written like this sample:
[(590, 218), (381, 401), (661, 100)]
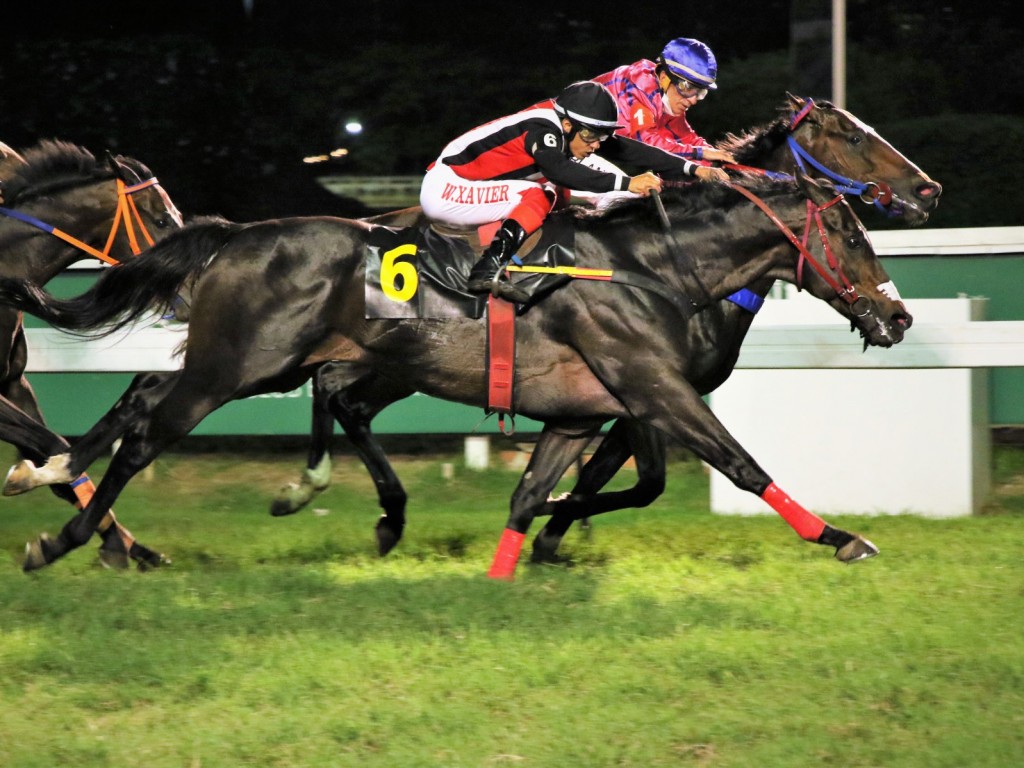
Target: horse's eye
[(163, 222), (854, 242), (856, 139)]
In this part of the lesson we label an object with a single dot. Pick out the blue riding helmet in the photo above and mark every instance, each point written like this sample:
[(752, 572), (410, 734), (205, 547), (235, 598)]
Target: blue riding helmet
[(689, 59)]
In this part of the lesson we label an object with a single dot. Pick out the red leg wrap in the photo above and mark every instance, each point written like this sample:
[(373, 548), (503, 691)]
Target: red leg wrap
[(505, 559), (807, 524)]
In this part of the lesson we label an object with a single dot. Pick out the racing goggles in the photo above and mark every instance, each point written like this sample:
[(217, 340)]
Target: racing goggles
[(592, 136), (688, 90)]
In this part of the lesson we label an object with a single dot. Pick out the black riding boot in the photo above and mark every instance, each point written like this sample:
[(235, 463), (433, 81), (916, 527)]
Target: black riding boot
[(487, 276)]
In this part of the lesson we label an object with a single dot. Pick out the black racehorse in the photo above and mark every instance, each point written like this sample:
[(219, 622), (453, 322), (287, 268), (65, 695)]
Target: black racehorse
[(816, 137), (60, 205), (273, 301)]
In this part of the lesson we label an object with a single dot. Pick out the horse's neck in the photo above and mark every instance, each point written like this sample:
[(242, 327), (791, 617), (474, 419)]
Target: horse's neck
[(39, 255), (730, 265), (38, 258)]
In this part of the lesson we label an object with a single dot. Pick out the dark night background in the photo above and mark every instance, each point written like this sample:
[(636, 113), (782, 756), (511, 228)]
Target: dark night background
[(223, 101)]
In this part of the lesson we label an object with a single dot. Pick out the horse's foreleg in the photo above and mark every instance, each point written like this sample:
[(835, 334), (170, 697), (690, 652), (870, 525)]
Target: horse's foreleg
[(850, 547), (36, 441), (555, 451), (697, 427)]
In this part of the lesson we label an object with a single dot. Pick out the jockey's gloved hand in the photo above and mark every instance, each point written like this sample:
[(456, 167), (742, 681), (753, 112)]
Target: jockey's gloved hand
[(709, 173), (713, 153)]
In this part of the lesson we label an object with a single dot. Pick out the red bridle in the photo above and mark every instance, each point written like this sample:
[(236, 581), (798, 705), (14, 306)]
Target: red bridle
[(839, 282)]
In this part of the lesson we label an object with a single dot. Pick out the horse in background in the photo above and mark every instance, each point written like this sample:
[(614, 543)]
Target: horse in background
[(60, 205)]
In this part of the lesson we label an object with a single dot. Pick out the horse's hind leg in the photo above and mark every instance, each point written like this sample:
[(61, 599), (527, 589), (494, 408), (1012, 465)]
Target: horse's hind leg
[(355, 404), (317, 474), (556, 450), (625, 438), (65, 466), (119, 546), (346, 393)]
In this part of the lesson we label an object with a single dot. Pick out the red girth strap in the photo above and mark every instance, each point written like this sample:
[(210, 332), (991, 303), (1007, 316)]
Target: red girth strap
[(501, 356)]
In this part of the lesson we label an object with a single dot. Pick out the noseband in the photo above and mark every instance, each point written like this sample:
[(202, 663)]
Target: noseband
[(125, 213)]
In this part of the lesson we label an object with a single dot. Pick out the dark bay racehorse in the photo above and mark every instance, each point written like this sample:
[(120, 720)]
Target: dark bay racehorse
[(61, 206), (280, 298), (817, 137)]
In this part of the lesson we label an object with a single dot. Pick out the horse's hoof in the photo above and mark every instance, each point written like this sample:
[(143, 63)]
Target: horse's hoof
[(282, 508), (551, 558), (856, 549), (387, 536), (290, 499), (116, 560), (146, 559), (17, 480), (35, 554)]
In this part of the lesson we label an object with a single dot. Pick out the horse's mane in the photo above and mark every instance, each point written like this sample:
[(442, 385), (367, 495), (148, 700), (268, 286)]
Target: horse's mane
[(757, 141), (49, 165)]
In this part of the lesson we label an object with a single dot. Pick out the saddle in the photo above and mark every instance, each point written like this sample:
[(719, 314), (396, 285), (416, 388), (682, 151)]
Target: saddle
[(422, 271)]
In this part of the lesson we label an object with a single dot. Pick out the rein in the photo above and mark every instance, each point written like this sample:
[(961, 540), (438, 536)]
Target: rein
[(126, 211), (843, 287)]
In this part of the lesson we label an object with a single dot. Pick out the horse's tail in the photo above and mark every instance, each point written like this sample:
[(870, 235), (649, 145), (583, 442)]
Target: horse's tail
[(123, 294)]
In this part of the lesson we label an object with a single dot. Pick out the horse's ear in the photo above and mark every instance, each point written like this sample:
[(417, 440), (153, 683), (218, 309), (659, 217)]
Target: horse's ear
[(807, 184), (795, 102), (818, 191), (115, 166)]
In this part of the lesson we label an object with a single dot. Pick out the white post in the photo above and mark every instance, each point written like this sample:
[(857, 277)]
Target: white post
[(839, 53), (478, 451)]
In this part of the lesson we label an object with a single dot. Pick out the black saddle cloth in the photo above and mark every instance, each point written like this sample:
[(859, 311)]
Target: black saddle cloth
[(416, 272)]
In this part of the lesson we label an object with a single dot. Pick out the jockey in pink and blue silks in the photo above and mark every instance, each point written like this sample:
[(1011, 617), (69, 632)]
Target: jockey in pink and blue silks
[(654, 97)]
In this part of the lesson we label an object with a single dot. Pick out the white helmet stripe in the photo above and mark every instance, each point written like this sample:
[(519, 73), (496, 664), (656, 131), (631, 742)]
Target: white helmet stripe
[(587, 120), (691, 74)]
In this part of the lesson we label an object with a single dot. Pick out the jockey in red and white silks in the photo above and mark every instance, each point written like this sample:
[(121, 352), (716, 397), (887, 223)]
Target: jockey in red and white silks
[(519, 165), (516, 168)]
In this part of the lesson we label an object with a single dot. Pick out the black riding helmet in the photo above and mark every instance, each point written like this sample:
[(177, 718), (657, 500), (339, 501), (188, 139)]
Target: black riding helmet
[(588, 105)]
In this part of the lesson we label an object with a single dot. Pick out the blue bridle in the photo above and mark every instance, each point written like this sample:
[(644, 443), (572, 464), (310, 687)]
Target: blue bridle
[(879, 195)]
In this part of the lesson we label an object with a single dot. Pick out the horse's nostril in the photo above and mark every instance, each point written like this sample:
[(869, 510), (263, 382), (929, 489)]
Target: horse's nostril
[(903, 321), (927, 191)]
